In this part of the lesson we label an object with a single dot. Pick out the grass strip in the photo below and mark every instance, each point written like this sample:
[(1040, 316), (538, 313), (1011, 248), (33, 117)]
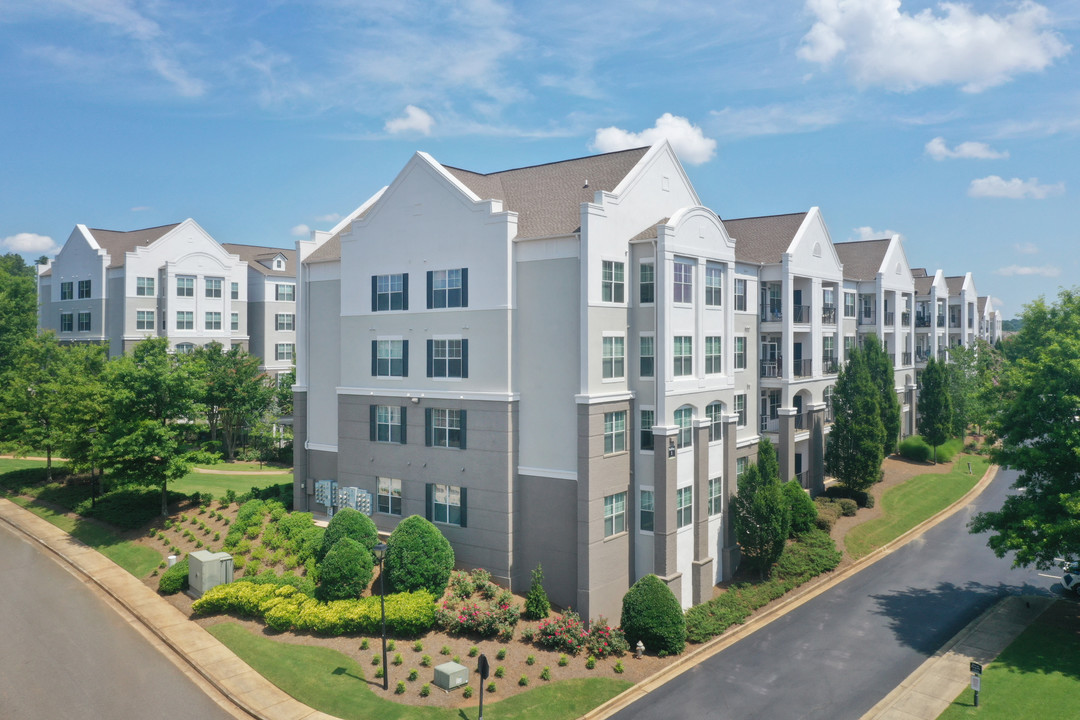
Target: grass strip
[(242, 467), (329, 681), (905, 506), (218, 485)]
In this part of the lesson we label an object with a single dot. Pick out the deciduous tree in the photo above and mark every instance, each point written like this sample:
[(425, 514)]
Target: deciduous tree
[(935, 404), (233, 392)]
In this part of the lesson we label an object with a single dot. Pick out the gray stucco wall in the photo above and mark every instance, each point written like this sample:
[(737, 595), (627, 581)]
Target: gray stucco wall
[(546, 534)]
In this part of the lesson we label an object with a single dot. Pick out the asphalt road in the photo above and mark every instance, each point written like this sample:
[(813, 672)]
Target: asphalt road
[(836, 656), (65, 653)]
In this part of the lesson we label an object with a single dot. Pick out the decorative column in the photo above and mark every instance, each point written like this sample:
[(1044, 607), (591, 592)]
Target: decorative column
[(665, 476), (786, 451), (729, 552), (912, 399), (702, 580), (817, 449)]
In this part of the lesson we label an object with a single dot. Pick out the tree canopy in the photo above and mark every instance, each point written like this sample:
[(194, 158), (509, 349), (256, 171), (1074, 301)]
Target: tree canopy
[(18, 305), (854, 451), (761, 512), (232, 391), (880, 366), (935, 404)]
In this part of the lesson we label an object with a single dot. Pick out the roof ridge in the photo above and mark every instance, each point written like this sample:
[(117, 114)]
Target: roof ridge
[(547, 164), (764, 217), (153, 227)]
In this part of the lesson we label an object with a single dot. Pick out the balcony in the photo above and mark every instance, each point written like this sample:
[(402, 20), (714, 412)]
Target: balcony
[(905, 358), (922, 355), (942, 355), (890, 317), (804, 479), (828, 314), (773, 311), (769, 425), (922, 320), (800, 313), (970, 323), (941, 321), (770, 368), (905, 318), (803, 368), (867, 319), (829, 365), (802, 421)]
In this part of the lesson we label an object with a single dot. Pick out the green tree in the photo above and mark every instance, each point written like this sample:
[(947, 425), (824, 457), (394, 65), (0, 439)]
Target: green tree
[(935, 404), (651, 614), (973, 373), (537, 605), (32, 410), (1036, 425), (233, 392), (18, 306), (802, 509), (853, 454), (418, 557), (880, 365), (351, 524), (81, 392), (345, 572), (761, 513)]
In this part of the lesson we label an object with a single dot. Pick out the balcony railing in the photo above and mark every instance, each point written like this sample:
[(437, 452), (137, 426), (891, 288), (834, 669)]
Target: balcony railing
[(922, 320), (828, 314), (769, 425), (953, 323), (942, 355), (800, 313), (803, 368), (802, 421), (866, 319), (804, 479), (890, 317), (773, 311), (829, 365), (941, 321), (921, 355), (770, 368), (905, 358), (905, 319), (970, 323)]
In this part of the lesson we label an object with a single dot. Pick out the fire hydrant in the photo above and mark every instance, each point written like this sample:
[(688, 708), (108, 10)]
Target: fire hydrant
[(639, 650)]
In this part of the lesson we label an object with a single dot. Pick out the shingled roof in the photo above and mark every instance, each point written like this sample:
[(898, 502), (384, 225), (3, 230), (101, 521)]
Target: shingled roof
[(923, 284), (764, 239), (256, 255), (329, 251), (956, 285), (117, 243), (862, 258)]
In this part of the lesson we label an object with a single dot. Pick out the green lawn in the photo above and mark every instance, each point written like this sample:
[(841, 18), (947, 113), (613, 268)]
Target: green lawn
[(907, 505), (241, 467), (7, 464), (1036, 677), (219, 484), (326, 680)]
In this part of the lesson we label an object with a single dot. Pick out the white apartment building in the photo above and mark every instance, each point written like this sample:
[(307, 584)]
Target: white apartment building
[(271, 293), (931, 311), (963, 313)]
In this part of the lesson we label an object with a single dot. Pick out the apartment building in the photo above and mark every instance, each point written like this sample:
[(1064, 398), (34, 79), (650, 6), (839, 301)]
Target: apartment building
[(931, 310), (963, 315), (989, 320), (271, 293)]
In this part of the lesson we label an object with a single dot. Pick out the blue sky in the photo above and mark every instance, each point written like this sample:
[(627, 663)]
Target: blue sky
[(956, 125)]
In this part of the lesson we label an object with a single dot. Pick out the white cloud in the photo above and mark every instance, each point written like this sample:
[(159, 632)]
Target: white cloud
[(328, 218), (1026, 248), (414, 120), (882, 45), (141, 208), (1014, 189), (938, 150), (29, 244), (1044, 271), (774, 119), (866, 232), (301, 231), (688, 141)]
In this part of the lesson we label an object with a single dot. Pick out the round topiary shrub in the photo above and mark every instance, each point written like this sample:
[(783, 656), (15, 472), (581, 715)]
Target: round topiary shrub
[(175, 579), (345, 572), (652, 614), (803, 510), (418, 557), (351, 524)]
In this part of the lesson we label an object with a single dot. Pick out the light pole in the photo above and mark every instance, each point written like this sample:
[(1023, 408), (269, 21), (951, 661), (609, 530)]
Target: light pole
[(379, 551)]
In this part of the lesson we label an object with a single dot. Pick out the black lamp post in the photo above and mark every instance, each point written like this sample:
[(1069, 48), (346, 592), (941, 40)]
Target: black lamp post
[(379, 551)]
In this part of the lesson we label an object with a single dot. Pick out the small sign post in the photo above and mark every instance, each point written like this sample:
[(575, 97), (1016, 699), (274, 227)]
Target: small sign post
[(976, 680), (482, 668)]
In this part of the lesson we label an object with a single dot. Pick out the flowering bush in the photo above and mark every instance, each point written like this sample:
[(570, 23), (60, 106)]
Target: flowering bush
[(569, 634), (486, 610), (604, 640)]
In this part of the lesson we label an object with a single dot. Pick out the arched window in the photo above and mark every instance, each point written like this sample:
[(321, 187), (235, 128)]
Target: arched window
[(683, 418), (715, 413), (185, 348)]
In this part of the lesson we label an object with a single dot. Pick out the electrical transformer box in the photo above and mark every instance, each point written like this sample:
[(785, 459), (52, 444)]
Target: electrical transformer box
[(451, 675), (208, 569)]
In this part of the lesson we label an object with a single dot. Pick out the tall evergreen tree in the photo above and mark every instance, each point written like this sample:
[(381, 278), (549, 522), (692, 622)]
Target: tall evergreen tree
[(853, 454), (935, 404), (880, 365), (762, 514)]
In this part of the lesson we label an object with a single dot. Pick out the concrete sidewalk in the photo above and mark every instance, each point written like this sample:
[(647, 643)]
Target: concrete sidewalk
[(928, 691)]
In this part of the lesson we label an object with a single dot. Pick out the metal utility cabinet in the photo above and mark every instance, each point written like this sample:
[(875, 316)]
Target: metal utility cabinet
[(451, 675), (207, 569)]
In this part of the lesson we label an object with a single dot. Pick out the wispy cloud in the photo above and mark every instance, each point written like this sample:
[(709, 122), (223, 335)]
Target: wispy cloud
[(328, 218), (1044, 270), (300, 230), (415, 120), (865, 232), (994, 186), (938, 150), (29, 244), (141, 208), (776, 119), (687, 139), (1026, 248), (880, 44)]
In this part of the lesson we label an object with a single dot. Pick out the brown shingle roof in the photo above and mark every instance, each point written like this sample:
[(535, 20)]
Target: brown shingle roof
[(918, 272), (923, 284), (327, 252), (956, 284), (764, 239), (547, 198), (116, 243), (982, 304), (253, 254), (862, 258)]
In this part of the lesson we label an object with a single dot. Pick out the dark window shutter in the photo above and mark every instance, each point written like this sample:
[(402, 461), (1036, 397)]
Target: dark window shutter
[(374, 358), (374, 293), (374, 414), (463, 424), (404, 358), (464, 507), (405, 291), (430, 358), (430, 289), (464, 358), (404, 424), (464, 287), (427, 427), (429, 501)]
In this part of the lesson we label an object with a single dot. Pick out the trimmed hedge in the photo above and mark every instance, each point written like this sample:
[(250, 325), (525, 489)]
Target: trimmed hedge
[(863, 499), (351, 524), (915, 448), (803, 510), (345, 572), (418, 557), (175, 579), (651, 613), (828, 512)]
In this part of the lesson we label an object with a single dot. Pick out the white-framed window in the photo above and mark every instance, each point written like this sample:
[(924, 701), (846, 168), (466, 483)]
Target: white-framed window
[(285, 292), (849, 344), (849, 304), (716, 496), (714, 358), (390, 291), (389, 502), (740, 353), (389, 358), (67, 290), (144, 286), (445, 427), (185, 348), (185, 320), (144, 319), (646, 439), (84, 289), (234, 290), (388, 424), (447, 504), (715, 412), (185, 286), (646, 510), (740, 409), (84, 322), (614, 432), (683, 356), (646, 283), (713, 285), (612, 285), (684, 507), (285, 351), (647, 356), (684, 419), (740, 294), (234, 321), (67, 322), (614, 357), (614, 514), (448, 288), (448, 358), (285, 321), (213, 321), (740, 467), (684, 282), (213, 287)]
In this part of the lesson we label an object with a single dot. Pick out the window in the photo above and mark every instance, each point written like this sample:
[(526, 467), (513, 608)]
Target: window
[(448, 288), (740, 353), (647, 359), (285, 292), (66, 322), (715, 413), (647, 283), (849, 305), (684, 355), (66, 290), (683, 418), (614, 432), (713, 357), (144, 286), (234, 321), (716, 495), (684, 282), (285, 321), (612, 285), (185, 349), (213, 287), (234, 291), (390, 496), (713, 287), (390, 358), (213, 321), (849, 344), (185, 286), (740, 409), (684, 507), (144, 319), (388, 424), (740, 294), (445, 428), (84, 289), (389, 292), (84, 322), (613, 358), (185, 320), (646, 429), (285, 351), (448, 358), (614, 514), (446, 504), (646, 509), (740, 467)]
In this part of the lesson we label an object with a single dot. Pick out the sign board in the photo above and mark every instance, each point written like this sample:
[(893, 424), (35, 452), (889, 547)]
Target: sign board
[(482, 667), (976, 668), (975, 682)]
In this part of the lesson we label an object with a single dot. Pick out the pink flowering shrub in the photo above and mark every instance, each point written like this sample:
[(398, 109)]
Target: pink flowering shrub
[(568, 634), (473, 605)]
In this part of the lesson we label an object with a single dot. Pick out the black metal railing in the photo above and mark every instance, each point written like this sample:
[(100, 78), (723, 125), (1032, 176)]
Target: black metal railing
[(941, 321), (803, 368), (922, 320), (866, 319), (890, 317), (828, 314), (772, 311), (804, 479), (800, 313), (905, 319), (905, 358), (830, 365)]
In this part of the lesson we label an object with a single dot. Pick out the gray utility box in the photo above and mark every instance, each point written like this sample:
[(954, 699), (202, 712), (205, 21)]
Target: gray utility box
[(207, 569), (451, 675)]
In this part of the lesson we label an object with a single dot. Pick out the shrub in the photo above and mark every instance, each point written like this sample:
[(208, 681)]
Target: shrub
[(474, 651), (351, 524), (413, 674), (391, 645), (528, 634), (486, 616), (864, 499), (803, 510), (500, 671), (652, 614), (523, 680), (380, 671), (604, 640), (531, 660), (947, 451), (400, 689), (364, 645), (915, 448), (545, 674), (563, 661), (398, 660), (375, 660), (537, 605), (467, 692), (425, 661), (491, 688), (345, 572), (418, 646), (590, 663), (619, 667), (425, 689), (566, 633), (848, 507), (445, 650), (175, 579), (418, 557)]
